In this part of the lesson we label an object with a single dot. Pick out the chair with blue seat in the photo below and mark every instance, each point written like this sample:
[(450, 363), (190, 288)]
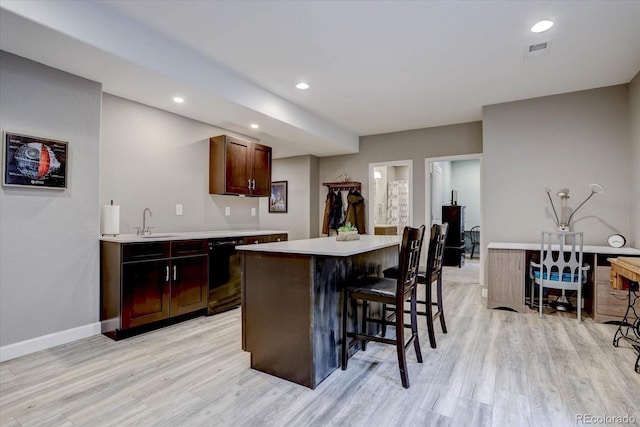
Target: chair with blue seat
[(560, 266)]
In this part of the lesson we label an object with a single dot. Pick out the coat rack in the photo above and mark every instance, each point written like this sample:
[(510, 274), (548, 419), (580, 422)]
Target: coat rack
[(340, 186), (349, 185)]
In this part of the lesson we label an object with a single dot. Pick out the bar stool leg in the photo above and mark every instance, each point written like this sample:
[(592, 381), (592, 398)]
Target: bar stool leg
[(429, 311), (440, 305), (402, 356), (414, 326)]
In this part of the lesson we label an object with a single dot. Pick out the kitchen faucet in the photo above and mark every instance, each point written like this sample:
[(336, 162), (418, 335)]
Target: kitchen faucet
[(144, 230)]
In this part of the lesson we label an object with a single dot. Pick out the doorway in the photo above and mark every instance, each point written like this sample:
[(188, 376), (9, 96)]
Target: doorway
[(456, 180), (391, 196)]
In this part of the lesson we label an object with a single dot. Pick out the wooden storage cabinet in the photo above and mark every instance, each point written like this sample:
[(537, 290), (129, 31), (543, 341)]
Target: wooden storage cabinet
[(142, 283), (454, 245), (506, 279), (609, 304), (239, 167)]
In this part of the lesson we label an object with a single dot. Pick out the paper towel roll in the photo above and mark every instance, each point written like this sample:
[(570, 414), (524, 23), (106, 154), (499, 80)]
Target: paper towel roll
[(110, 219)]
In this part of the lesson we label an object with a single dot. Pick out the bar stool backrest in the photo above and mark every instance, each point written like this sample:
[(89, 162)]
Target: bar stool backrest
[(435, 254), (412, 239)]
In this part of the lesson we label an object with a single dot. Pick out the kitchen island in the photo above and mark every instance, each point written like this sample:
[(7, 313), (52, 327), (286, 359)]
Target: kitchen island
[(291, 301)]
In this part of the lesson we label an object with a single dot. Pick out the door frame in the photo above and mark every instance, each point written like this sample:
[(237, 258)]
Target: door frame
[(427, 197), (372, 183)]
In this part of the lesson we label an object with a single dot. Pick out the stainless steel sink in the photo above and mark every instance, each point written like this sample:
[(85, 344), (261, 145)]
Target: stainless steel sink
[(158, 235)]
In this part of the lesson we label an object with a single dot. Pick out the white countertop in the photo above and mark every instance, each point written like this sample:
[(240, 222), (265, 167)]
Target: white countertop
[(327, 246), (187, 235), (586, 248)]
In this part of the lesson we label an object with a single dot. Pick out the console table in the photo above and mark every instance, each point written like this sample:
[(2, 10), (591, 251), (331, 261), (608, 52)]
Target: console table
[(625, 274), (508, 274)]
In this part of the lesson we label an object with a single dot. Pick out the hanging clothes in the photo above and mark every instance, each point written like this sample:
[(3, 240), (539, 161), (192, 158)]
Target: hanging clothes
[(355, 211), (328, 209), (336, 218)]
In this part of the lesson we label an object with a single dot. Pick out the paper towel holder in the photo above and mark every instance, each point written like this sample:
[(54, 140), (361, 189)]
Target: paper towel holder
[(114, 222)]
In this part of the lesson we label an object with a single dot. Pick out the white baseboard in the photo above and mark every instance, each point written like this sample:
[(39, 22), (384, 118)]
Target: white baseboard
[(44, 342)]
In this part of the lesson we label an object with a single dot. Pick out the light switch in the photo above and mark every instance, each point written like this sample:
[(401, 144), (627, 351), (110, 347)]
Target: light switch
[(227, 211), (253, 211), (178, 209)]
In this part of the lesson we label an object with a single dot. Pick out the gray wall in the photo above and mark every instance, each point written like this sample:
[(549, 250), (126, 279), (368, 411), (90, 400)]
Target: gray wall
[(156, 159), (568, 140), (416, 145), (301, 219), (49, 279), (634, 125), (465, 179)]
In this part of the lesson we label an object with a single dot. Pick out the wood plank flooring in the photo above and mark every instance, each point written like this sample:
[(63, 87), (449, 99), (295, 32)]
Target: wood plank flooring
[(493, 368)]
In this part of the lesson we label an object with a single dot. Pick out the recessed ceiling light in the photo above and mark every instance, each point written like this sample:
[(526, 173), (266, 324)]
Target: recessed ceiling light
[(541, 26), (302, 85), (254, 126), (178, 100)]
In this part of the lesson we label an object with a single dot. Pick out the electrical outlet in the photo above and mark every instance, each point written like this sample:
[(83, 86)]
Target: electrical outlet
[(227, 211), (178, 209), (253, 211)]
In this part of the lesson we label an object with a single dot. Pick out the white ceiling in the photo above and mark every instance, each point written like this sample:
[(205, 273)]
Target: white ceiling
[(373, 66)]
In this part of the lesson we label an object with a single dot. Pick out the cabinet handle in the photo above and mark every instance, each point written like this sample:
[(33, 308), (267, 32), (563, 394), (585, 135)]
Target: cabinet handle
[(175, 273), (166, 277), (249, 184)]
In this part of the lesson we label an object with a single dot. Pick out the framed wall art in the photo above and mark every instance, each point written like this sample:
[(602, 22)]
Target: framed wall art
[(30, 161), (278, 201)]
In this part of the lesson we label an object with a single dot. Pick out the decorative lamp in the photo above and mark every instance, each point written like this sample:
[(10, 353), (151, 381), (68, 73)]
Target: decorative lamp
[(563, 223)]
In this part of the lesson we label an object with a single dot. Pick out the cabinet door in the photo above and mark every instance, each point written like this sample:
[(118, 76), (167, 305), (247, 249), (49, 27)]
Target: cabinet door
[(261, 170), (237, 166), (610, 304), (189, 284), (506, 279), (145, 292)]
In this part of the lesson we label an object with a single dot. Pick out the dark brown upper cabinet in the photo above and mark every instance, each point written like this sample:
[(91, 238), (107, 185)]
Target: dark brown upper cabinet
[(239, 167)]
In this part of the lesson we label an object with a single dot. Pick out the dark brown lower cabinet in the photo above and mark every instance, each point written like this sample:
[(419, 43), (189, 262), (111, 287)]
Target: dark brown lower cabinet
[(189, 284), (145, 292), (144, 283)]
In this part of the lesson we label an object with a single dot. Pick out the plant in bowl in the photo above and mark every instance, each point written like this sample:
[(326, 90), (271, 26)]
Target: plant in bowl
[(347, 232)]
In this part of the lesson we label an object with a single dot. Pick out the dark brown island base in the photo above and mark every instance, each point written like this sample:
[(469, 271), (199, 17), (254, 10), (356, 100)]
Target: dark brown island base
[(291, 301)]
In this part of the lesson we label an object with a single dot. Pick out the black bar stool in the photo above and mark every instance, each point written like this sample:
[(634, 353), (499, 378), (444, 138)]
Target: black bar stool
[(392, 292), (434, 272)]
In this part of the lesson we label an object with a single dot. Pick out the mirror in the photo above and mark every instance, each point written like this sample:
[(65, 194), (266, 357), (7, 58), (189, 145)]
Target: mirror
[(390, 196)]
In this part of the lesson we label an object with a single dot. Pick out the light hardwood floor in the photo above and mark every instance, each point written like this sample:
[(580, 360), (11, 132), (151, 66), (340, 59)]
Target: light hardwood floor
[(493, 368)]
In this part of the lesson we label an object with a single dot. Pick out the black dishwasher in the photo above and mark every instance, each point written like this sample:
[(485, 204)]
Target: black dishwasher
[(224, 275)]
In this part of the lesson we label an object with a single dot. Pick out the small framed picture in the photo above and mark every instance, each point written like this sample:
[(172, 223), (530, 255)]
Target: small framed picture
[(30, 161), (279, 198)]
